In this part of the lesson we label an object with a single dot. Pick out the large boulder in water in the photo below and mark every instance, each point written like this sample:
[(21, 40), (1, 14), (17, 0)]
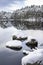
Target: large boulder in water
[(15, 45), (32, 43)]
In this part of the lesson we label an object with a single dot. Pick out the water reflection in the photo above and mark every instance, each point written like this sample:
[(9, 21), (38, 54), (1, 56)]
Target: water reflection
[(8, 57), (13, 57)]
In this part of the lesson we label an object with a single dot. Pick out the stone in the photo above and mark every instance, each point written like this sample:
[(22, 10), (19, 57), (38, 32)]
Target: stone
[(19, 38), (14, 44), (32, 44)]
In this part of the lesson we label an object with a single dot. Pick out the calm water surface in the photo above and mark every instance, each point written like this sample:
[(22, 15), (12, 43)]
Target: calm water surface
[(12, 57)]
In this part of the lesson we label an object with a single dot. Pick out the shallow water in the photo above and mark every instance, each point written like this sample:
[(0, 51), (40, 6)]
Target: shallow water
[(12, 57)]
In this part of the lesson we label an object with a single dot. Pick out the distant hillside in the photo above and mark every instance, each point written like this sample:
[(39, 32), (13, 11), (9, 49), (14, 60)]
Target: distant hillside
[(32, 11), (4, 19), (29, 17)]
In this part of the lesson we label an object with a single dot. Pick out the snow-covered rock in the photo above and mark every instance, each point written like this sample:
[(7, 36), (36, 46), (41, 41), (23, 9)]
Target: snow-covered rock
[(26, 52), (15, 44), (33, 57), (19, 38), (32, 42), (29, 38)]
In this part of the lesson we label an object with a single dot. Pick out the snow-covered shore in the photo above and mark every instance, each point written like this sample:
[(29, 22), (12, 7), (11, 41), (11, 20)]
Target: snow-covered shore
[(33, 57)]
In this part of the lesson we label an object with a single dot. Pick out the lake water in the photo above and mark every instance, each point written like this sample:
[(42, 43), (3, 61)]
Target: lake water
[(12, 57)]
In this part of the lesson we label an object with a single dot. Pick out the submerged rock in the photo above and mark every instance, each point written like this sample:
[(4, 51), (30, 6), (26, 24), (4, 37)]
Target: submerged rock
[(15, 45), (32, 43)]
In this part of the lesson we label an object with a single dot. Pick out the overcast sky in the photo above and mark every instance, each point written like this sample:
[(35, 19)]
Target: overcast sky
[(11, 5)]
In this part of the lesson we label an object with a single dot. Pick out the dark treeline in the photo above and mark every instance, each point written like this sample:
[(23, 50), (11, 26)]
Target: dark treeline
[(30, 16)]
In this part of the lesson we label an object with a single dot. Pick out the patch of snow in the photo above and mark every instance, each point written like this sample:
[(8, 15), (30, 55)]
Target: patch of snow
[(14, 43), (29, 39), (37, 34), (35, 56), (26, 52), (20, 34)]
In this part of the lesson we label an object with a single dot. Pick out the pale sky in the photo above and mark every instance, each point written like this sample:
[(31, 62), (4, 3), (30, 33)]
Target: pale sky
[(11, 5)]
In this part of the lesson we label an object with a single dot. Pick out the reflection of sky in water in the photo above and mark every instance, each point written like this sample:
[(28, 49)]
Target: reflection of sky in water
[(11, 57)]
